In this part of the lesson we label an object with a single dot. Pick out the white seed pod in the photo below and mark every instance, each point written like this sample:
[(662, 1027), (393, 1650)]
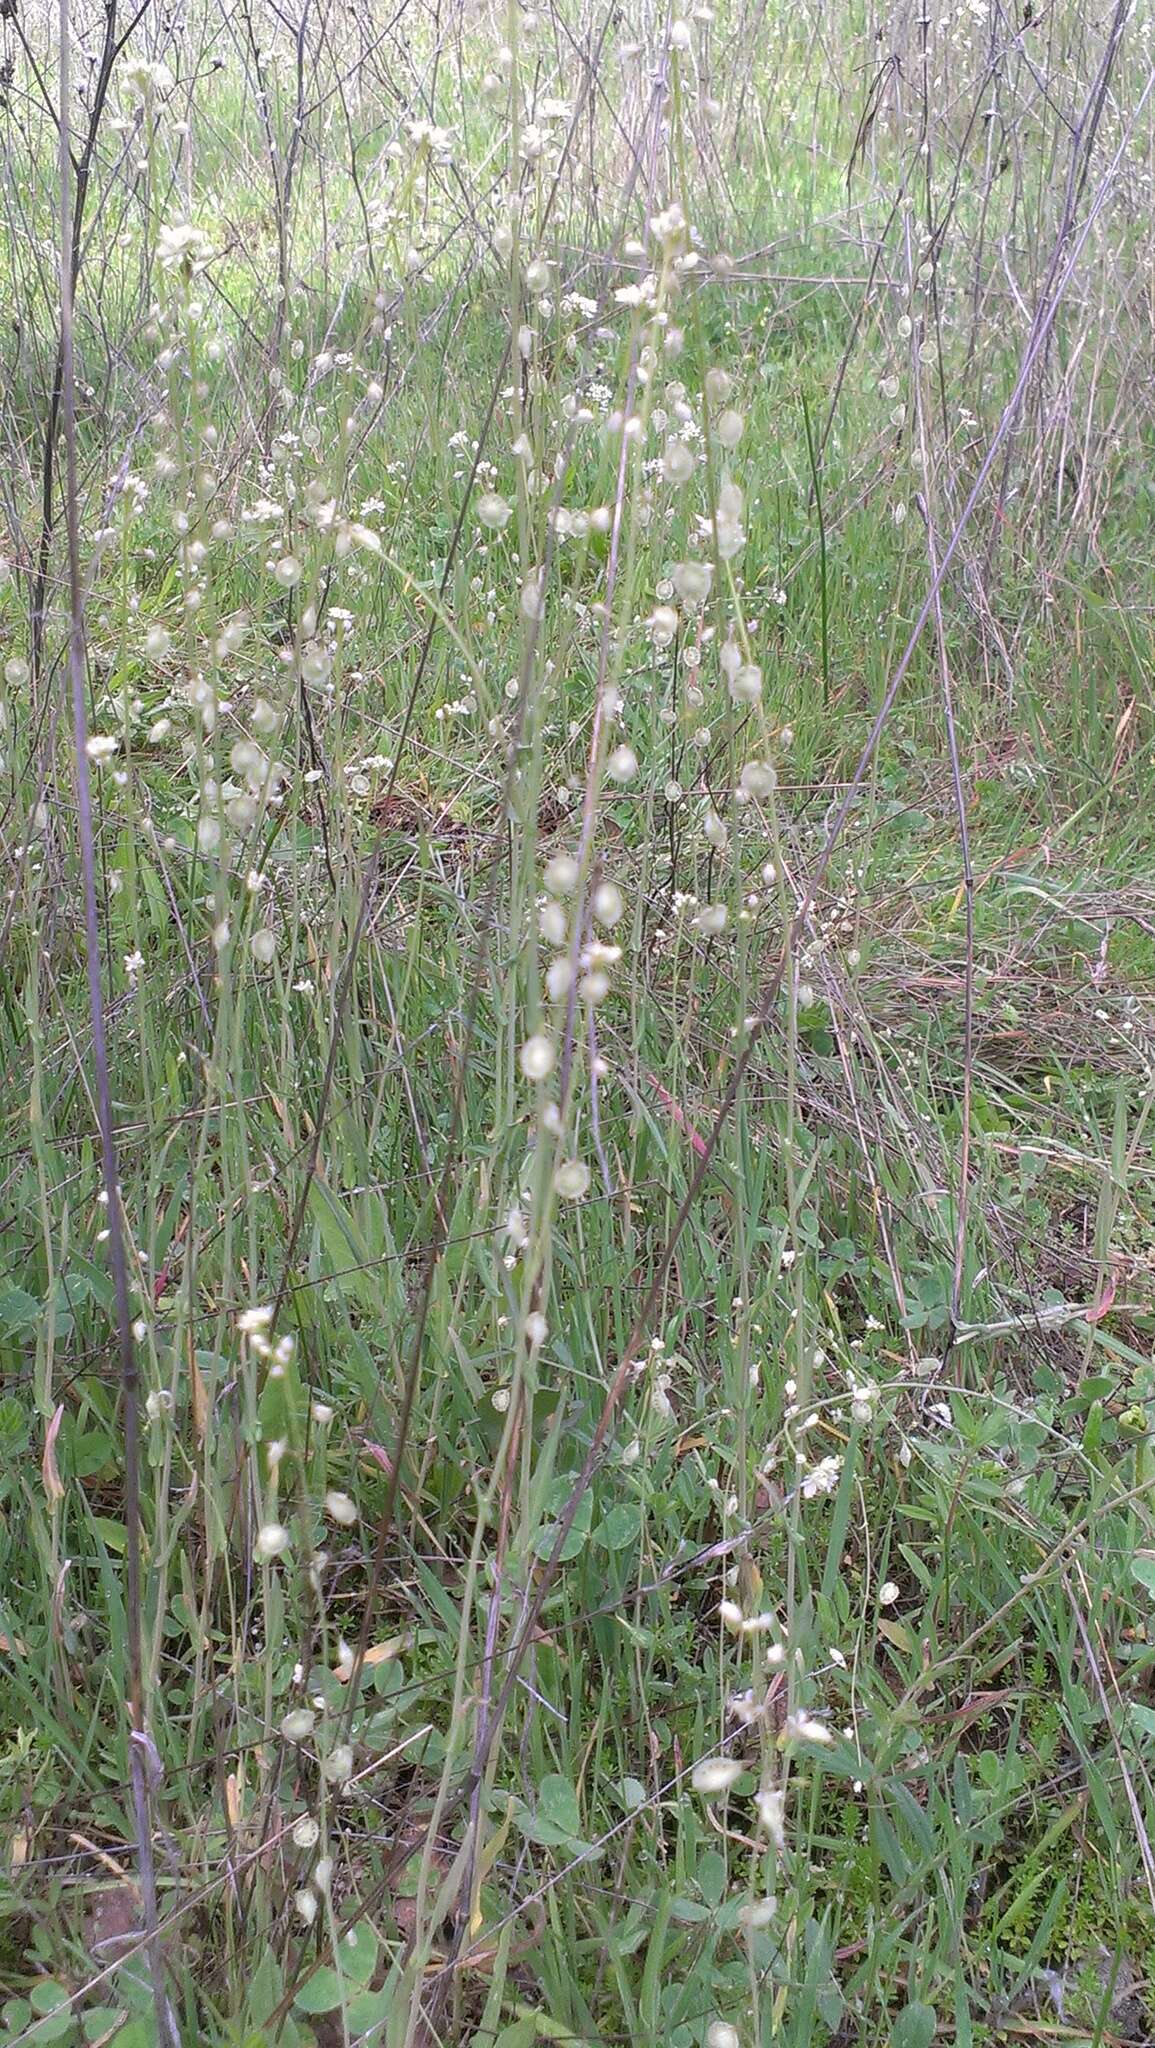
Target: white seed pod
[(537, 1057), (746, 684), (572, 1179), (716, 1775), (609, 904), (758, 778), (677, 462), (692, 581)]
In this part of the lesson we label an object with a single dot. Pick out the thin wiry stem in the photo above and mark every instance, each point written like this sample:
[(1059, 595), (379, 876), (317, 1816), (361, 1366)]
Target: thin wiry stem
[(143, 1762), (926, 505), (653, 1294), (442, 1192)]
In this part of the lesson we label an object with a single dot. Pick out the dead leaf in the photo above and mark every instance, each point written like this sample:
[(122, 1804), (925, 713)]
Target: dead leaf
[(200, 1400), (377, 1653), (897, 1633), (49, 1470), (1102, 1307), (679, 1115), (113, 1922)]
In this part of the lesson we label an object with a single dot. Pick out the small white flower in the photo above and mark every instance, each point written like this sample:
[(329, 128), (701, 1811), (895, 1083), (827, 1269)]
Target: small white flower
[(306, 1905), (623, 764), (253, 1322), (888, 1594), (306, 1832), (272, 1541), (822, 1478), (729, 428), (182, 247), (101, 747), (340, 1508), (493, 511), (143, 78), (668, 225), (338, 1765), (863, 1397), (298, 1725), (720, 2034), (424, 135)]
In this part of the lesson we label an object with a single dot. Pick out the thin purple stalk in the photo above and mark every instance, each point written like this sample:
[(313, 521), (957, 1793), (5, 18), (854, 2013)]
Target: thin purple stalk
[(141, 1752)]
